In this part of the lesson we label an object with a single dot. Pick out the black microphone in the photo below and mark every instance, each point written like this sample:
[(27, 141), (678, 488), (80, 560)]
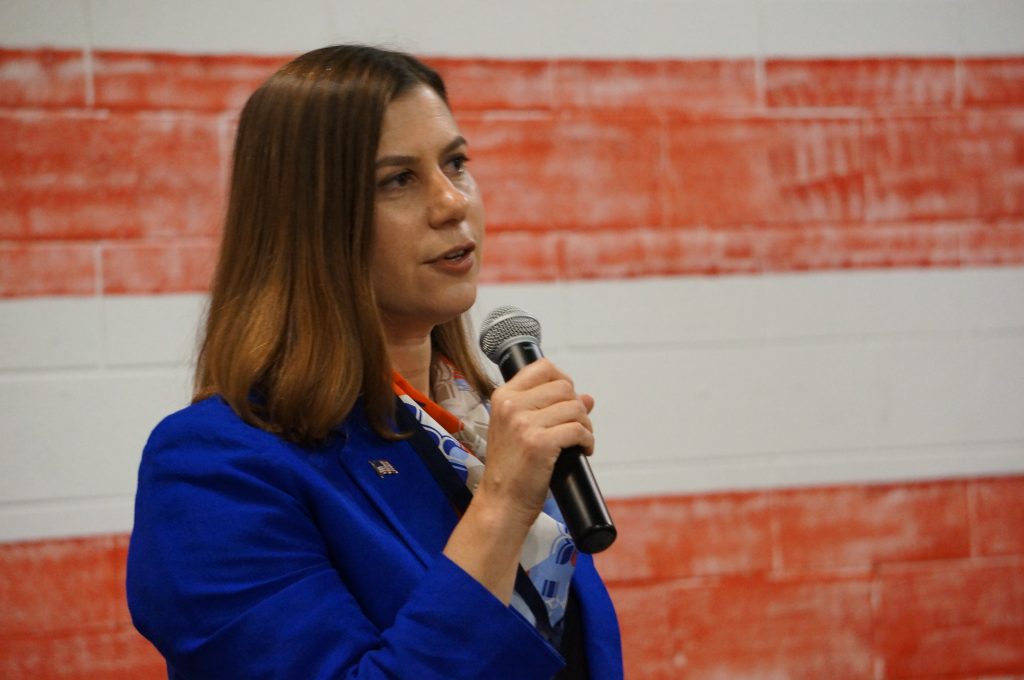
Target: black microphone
[(511, 338)]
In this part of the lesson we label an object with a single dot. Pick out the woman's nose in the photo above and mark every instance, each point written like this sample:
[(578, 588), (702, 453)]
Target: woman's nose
[(447, 202)]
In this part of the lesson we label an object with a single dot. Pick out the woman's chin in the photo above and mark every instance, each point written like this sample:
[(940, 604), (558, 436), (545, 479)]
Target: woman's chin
[(463, 297)]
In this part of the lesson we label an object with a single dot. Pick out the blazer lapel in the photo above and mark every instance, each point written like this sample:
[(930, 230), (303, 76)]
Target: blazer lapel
[(397, 482)]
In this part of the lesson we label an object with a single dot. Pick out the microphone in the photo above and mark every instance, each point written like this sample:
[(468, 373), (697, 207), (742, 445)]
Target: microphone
[(511, 339)]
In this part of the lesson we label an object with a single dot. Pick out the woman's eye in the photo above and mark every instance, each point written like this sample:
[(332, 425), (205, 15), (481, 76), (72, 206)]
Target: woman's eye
[(457, 164), (397, 181)]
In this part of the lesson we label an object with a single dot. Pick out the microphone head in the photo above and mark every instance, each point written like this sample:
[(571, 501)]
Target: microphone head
[(505, 325)]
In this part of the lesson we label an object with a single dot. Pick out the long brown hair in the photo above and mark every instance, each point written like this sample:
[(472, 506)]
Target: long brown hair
[(293, 335)]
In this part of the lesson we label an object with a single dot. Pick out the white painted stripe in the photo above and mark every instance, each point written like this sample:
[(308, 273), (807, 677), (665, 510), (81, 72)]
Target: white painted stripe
[(844, 305), (211, 26), (50, 333), (815, 468), (992, 27), (529, 28), (152, 330), (537, 28), (44, 23), (883, 27), (59, 518), (76, 434), (702, 384), (804, 399)]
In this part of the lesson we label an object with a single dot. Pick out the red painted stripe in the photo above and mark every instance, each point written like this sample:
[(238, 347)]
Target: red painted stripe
[(498, 85), (994, 82), (749, 628), (572, 172), (515, 256), (47, 269), (96, 175), (61, 586), (680, 537), (64, 612), (948, 166), (865, 83), (657, 86), (590, 168), (174, 81), (953, 619), (158, 267), (862, 526), (116, 654), (52, 78), (998, 516), (755, 171)]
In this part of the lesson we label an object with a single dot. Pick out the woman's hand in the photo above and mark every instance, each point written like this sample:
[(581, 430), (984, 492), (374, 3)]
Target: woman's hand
[(533, 417)]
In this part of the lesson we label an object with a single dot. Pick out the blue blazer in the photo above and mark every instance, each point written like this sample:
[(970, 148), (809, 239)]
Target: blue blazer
[(252, 557)]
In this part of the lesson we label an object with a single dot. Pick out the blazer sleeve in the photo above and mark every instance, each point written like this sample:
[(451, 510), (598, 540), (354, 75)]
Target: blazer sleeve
[(229, 577)]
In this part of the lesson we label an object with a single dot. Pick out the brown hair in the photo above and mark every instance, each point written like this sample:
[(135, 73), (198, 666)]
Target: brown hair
[(293, 335)]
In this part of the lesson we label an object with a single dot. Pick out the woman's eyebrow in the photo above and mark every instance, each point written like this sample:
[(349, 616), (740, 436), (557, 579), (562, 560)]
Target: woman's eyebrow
[(384, 161)]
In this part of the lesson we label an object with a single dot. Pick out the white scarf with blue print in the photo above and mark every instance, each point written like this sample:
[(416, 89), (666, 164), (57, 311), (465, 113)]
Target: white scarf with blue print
[(548, 555)]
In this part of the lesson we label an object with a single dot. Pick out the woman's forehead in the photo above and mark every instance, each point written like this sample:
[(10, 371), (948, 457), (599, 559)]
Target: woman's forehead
[(418, 112)]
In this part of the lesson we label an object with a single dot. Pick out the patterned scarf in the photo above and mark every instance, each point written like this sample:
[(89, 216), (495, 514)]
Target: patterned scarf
[(458, 422)]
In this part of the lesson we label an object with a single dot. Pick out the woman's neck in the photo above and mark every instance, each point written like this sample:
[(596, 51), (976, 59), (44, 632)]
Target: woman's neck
[(410, 356)]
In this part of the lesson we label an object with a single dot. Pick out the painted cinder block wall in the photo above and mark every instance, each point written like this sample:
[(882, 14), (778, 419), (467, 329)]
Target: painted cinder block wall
[(781, 241)]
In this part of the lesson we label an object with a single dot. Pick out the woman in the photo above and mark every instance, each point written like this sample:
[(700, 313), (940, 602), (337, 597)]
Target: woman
[(295, 521)]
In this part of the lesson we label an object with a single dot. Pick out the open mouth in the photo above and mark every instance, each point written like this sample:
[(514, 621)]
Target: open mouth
[(456, 254)]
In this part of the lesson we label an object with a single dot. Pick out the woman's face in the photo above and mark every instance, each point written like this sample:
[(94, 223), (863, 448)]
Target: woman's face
[(429, 216)]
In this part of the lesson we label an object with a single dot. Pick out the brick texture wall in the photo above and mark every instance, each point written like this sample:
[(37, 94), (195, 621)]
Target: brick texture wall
[(113, 166)]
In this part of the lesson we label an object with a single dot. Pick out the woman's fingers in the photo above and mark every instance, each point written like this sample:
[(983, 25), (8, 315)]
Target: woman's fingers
[(538, 373), (542, 395), (573, 434), (545, 405), (547, 393), (522, 416), (563, 412)]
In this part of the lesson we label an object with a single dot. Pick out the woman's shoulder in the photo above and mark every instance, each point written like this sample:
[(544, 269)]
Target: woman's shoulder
[(213, 415), (209, 422), (209, 435), (210, 432), (207, 451)]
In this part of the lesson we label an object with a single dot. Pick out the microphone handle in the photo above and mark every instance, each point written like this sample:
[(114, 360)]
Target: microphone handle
[(573, 485)]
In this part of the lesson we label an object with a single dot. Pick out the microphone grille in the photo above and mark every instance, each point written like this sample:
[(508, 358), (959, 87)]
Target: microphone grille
[(503, 324)]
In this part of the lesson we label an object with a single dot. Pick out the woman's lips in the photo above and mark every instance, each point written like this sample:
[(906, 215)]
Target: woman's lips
[(457, 260)]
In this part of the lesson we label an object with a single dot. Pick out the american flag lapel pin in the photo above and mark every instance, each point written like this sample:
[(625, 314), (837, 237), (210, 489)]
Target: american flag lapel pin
[(383, 467)]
